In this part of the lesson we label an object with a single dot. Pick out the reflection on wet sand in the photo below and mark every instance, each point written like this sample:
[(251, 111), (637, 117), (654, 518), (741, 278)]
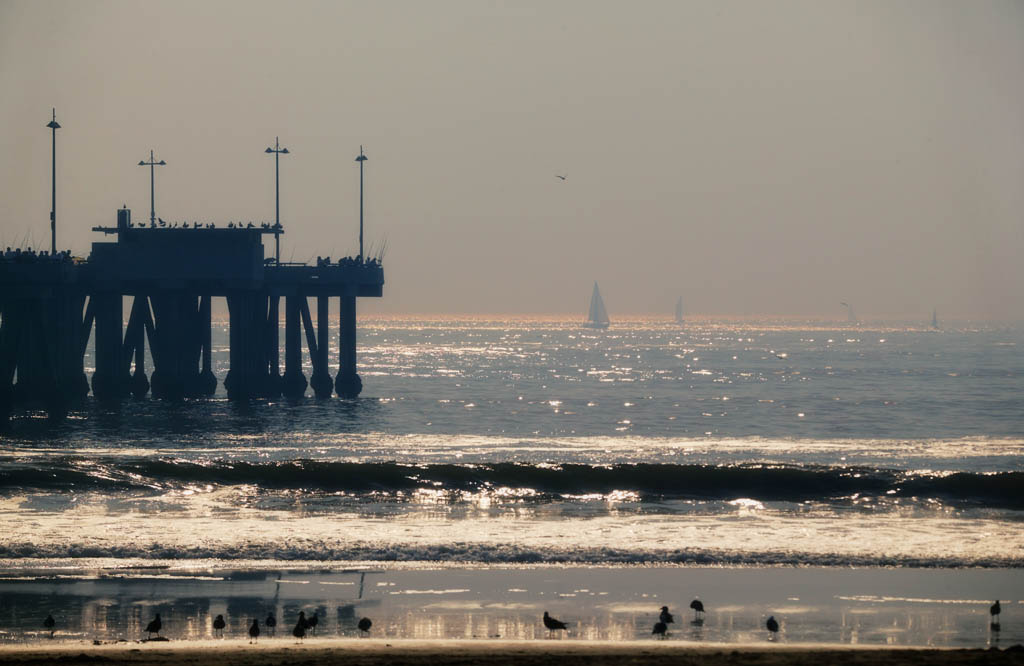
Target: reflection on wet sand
[(598, 604)]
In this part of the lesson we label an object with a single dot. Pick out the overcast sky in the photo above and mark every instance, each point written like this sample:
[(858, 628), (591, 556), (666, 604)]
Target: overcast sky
[(755, 158)]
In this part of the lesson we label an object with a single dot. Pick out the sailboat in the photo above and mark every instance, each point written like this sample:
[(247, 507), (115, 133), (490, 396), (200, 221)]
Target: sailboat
[(935, 319), (679, 310), (598, 316)]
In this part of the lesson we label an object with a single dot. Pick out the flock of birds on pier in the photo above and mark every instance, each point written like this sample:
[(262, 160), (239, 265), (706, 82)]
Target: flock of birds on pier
[(209, 225), (307, 625)]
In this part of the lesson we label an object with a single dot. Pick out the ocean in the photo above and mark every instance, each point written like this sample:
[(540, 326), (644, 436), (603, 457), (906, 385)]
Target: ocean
[(530, 444)]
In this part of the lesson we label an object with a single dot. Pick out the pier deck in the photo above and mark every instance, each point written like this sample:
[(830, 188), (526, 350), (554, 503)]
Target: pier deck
[(50, 309)]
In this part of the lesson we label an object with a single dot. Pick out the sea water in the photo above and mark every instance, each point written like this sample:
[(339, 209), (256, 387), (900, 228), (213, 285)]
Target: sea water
[(530, 443)]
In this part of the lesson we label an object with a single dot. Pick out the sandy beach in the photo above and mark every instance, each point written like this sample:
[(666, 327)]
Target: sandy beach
[(372, 652)]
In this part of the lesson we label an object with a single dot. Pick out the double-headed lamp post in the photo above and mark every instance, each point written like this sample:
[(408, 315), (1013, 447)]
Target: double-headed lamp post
[(54, 126), (362, 158), (152, 163), (277, 150)]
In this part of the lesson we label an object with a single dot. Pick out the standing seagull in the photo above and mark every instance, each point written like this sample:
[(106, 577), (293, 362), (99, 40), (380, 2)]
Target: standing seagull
[(218, 625), (994, 611), (312, 622), (254, 631), (271, 623), (698, 608), (49, 623), (154, 626), (554, 625), (660, 629), (364, 625), (773, 627), (300, 629), (665, 616)]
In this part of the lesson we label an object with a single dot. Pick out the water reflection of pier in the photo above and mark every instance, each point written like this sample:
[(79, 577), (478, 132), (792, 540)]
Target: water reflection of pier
[(166, 278)]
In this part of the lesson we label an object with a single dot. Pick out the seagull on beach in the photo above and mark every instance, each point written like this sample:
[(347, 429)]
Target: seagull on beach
[(254, 631), (773, 627), (154, 626), (364, 625), (312, 622), (271, 623), (300, 629), (49, 623), (218, 625), (994, 611), (552, 624), (665, 616), (698, 608), (660, 629)]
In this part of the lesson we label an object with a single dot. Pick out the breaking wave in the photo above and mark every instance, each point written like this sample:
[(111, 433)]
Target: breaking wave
[(647, 481)]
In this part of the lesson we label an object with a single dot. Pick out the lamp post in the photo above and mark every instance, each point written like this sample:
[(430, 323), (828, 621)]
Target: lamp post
[(277, 150), (152, 163), (54, 126), (362, 158)]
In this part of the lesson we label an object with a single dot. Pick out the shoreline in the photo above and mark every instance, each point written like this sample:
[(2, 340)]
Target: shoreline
[(377, 652)]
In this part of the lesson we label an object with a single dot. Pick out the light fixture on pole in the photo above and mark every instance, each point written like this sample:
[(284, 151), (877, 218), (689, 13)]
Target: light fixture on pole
[(152, 163), (362, 158), (54, 126), (277, 150)]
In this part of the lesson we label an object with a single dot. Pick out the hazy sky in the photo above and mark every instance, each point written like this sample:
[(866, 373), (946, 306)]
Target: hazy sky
[(752, 157)]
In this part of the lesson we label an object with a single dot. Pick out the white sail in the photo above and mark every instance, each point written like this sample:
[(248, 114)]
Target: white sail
[(597, 317), (679, 310)]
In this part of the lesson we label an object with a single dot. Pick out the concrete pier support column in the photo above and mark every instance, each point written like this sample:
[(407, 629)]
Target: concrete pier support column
[(294, 381), (107, 382), (135, 346), (72, 361), (174, 338), (207, 380), (275, 383), (321, 379), (348, 384), (236, 381)]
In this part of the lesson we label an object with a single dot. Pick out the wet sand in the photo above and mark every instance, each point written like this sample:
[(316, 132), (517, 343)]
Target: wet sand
[(373, 652)]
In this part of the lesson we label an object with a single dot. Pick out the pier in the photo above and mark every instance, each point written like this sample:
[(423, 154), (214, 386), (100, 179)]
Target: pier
[(165, 279)]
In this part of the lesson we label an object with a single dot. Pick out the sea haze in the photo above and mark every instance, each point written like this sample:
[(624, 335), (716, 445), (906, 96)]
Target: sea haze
[(535, 442)]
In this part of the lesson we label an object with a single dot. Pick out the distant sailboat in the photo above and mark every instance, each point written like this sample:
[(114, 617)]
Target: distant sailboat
[(935, 319), (679, 310), (850, 317), (598, 316)]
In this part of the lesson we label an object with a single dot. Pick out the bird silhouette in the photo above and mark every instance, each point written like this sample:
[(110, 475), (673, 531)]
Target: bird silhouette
[(254, 631), (302, 620), (312, 622), (773, 626), (161, 221), (154, 626), (561, 177), (552, 624), (300, 629), (660, 629), (698, 608), (49, 623), (271, 623), (365, 624), (994, 611), (218, 625), (665, 616)]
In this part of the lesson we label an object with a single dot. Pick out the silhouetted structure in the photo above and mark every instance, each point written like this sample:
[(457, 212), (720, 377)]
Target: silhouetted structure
[(50, 304)]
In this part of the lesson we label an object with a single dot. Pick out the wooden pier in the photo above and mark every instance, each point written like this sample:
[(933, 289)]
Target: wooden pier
[(50, 308)]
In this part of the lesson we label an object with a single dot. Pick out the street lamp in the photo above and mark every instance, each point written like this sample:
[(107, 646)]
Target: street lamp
[(362, 158), (277, 150), (54, 126), (152, 200)]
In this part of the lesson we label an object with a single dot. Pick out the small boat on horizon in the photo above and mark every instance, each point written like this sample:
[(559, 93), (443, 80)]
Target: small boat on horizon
[(679, 310), (597, 317), (935, 319)]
